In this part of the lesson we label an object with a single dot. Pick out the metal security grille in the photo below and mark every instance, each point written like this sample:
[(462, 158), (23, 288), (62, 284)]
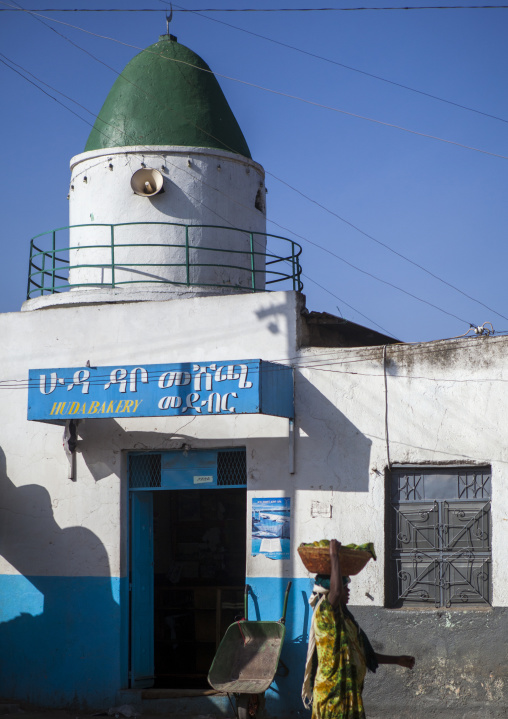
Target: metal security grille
[(440, 538), (144, 470), (232, 468)]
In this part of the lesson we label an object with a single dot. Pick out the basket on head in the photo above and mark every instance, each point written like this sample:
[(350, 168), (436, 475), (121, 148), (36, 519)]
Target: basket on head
[(317, 559)]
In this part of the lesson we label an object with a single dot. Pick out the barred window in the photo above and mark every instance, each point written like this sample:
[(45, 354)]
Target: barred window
[(176, 469), (144, 470), (439, 537)]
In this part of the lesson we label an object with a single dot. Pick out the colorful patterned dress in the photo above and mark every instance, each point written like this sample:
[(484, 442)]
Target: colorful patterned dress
[(341, 666)]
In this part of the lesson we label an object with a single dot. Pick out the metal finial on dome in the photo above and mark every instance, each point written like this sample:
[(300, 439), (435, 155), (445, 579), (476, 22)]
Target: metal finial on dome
[(169, 18)]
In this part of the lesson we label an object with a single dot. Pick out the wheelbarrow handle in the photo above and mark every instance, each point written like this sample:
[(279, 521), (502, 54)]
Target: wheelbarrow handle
[(284, 609)]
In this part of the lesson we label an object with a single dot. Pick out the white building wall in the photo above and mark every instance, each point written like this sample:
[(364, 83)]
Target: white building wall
[(178, 331), (444, 403)]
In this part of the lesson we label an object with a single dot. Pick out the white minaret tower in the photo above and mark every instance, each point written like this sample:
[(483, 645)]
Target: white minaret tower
[(166, 200)]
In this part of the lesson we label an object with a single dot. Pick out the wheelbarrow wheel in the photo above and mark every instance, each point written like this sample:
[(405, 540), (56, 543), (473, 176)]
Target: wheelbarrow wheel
[(250, 706)]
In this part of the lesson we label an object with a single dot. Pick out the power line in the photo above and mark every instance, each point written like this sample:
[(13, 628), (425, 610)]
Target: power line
[(278, 92), (318, 364), (342, 219), (383, 244), (197, 199), (46, 93), (328, 358), (379, 279), (334, 213), (286, 229), (273, 10), (338, 64), (46, 85), (379, 242), (306, 197), (347, 304)]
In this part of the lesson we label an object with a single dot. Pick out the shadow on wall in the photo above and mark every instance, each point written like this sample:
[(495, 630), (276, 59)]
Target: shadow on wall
[(58, 608), (331, 452), (334, 453)]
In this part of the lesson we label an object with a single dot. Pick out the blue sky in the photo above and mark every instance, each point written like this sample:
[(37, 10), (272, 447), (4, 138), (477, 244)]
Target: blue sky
[(439, 204)]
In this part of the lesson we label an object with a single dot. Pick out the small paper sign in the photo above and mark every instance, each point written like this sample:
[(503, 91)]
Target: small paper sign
[(203, 479)]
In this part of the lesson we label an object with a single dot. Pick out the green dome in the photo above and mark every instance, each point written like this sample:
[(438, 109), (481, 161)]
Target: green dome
[(158, 101)]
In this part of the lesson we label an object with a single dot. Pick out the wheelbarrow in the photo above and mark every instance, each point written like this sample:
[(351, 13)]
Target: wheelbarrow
[(247, 659)]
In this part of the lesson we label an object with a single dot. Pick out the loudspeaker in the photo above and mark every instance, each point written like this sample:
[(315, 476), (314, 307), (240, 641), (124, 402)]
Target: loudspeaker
[(147, 182)]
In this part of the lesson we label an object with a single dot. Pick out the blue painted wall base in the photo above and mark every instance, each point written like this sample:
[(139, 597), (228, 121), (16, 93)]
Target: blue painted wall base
[(62, 640), (64, 643), (283, 698)]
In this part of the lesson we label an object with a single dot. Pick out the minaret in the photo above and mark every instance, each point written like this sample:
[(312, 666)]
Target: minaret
[(166, 200)]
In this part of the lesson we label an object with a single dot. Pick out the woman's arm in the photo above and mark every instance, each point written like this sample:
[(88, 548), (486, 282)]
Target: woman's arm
[(402, 660), (335, 595)]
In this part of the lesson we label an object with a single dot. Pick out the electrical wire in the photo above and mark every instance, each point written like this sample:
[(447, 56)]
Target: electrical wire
[(297, 235), (390, 334), (383, 244), (342, 219), (302, 194), (329, 357), (379, 242), (379, 279), (100, 379), (375, 277), (166, 160), (199, 13), (278, 92), (275, 10), (301, 237)]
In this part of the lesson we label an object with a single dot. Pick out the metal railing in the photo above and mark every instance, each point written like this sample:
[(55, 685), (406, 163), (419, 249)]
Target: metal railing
[(50, 261)]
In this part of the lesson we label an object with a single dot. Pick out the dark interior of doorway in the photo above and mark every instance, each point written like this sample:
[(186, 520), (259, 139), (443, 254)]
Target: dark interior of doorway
[(199, 579)]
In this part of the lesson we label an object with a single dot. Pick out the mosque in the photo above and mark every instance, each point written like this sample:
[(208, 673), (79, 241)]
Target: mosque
[(179, 422)]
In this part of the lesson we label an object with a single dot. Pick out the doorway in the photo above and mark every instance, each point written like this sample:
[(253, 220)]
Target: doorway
[(188, 558)]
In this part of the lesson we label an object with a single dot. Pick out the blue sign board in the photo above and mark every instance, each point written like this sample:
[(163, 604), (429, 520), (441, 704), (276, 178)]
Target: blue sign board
[(161, 390)]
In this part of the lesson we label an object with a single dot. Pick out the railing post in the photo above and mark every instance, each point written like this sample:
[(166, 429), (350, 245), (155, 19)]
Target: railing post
[(112, 256), (29, 270), (187, 267), (53, 250), (43, 271), (252, 265), (296, 268), (293, 264)]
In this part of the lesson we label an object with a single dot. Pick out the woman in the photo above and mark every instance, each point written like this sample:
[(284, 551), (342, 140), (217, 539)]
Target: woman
[(343, 651)]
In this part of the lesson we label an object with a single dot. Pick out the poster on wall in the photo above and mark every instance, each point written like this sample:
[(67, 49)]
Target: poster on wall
[(271, 527)]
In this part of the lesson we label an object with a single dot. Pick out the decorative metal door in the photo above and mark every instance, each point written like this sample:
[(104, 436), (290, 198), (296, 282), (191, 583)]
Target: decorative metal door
[(441, 536)]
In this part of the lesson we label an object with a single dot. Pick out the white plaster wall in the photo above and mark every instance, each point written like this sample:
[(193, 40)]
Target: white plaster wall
[(80, 528), (446, 404), (201, 187)]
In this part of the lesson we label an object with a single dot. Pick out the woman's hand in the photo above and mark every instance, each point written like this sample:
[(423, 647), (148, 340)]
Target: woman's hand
[(406, 661)]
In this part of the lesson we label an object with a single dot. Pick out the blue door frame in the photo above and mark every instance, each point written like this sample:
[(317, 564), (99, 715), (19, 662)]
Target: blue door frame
[(142, 599), (195, 469)]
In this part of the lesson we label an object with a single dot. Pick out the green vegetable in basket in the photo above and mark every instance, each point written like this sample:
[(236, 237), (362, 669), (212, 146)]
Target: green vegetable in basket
[(367, 547)]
